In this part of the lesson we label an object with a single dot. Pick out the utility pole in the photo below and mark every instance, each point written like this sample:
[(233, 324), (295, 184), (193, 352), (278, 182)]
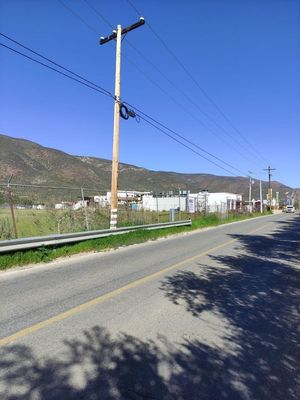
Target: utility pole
[(269, 169), (250, 191), (117, 34), (260, 197)]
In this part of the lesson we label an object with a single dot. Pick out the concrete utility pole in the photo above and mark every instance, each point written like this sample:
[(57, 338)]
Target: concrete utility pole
[(250, 192), (260, 197), (115, 157)]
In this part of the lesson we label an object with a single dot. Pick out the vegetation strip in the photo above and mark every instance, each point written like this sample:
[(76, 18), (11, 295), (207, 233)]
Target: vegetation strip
[(48, 254)]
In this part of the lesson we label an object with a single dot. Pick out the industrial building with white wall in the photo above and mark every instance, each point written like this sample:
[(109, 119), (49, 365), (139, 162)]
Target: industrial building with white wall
[(192, 202)]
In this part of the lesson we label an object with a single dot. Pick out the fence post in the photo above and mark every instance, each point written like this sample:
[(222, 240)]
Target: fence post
[(179, 204), (172, 214), (85, 211), (11, 206)]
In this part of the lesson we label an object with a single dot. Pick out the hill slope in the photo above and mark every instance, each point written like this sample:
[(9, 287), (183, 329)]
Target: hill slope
[(32, 163)]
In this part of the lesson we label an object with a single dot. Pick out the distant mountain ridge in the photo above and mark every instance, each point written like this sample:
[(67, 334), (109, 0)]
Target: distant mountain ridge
[(31, 163)]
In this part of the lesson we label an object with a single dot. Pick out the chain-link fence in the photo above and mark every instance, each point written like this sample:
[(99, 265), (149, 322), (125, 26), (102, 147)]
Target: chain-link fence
[(36, 210)]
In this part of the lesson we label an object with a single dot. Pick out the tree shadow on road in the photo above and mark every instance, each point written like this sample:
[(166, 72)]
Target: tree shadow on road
[(257, 291), (257, 295), (96, 366), (100, 367)]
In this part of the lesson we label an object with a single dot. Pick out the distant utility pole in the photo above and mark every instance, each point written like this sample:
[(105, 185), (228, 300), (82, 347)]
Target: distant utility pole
[(117, 34), (250, 191), (260, 197), (269, 169)]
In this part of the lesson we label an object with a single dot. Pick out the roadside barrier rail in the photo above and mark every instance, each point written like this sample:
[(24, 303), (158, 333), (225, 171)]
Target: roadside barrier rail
[(59, 239)]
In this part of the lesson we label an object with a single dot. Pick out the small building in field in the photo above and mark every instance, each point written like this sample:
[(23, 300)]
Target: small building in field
[(39, 207), (127, 196), (158, 203), (101, 201), (213, 202)]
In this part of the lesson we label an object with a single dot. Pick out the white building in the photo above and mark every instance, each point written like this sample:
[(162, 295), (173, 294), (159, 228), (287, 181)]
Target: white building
[(61, 206), (128, 195), (213, 202), (163, 203), (191, 202), (101, 200), (80, 204), (39, 207)]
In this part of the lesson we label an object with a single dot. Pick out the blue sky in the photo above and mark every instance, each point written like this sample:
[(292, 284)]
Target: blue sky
[(244, 54)]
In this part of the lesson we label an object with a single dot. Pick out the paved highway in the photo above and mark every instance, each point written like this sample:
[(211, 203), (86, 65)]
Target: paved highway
[(207, 315)]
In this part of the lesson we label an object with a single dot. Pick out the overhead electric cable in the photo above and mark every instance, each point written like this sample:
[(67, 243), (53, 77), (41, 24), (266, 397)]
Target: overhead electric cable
[(197, 84), (207, 115), (106, 93), (184, 145), (190, 101), (55, 63), (91, 28), (141, 114), (99, 14), (103, 18)]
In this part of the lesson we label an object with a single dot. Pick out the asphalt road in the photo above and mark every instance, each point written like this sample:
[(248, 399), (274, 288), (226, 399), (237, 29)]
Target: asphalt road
[(208, 315)]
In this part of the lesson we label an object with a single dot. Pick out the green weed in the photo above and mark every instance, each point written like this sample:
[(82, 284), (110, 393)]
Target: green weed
[(46, 254)]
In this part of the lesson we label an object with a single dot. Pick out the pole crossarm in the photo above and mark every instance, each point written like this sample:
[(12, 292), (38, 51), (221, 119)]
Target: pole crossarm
[(106, 39), (269, 169)]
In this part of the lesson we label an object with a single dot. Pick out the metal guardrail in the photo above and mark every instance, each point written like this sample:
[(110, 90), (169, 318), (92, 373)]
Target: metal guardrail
[(58, 239)]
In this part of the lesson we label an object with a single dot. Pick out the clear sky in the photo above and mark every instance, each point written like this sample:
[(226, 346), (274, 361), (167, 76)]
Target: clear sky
[(243, 54)]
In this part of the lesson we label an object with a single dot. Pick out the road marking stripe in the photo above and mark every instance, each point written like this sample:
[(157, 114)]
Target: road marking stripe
[(75, 310)]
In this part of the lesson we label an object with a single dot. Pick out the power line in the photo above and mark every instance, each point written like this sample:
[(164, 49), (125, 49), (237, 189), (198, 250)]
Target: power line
[(48, 187), (185, 139), (91, 28), (175, 86), (142, 115), (198, 85), (55, 63), (98, 13), (184, 145), (56, 70), (190, 101), (103, 18), (207, 115)]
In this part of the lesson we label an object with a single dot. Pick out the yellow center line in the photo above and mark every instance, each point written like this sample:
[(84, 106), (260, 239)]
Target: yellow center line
[(100, 299)]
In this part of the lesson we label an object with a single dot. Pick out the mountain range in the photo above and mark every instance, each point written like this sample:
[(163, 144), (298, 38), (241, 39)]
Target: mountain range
[(30, 163)]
